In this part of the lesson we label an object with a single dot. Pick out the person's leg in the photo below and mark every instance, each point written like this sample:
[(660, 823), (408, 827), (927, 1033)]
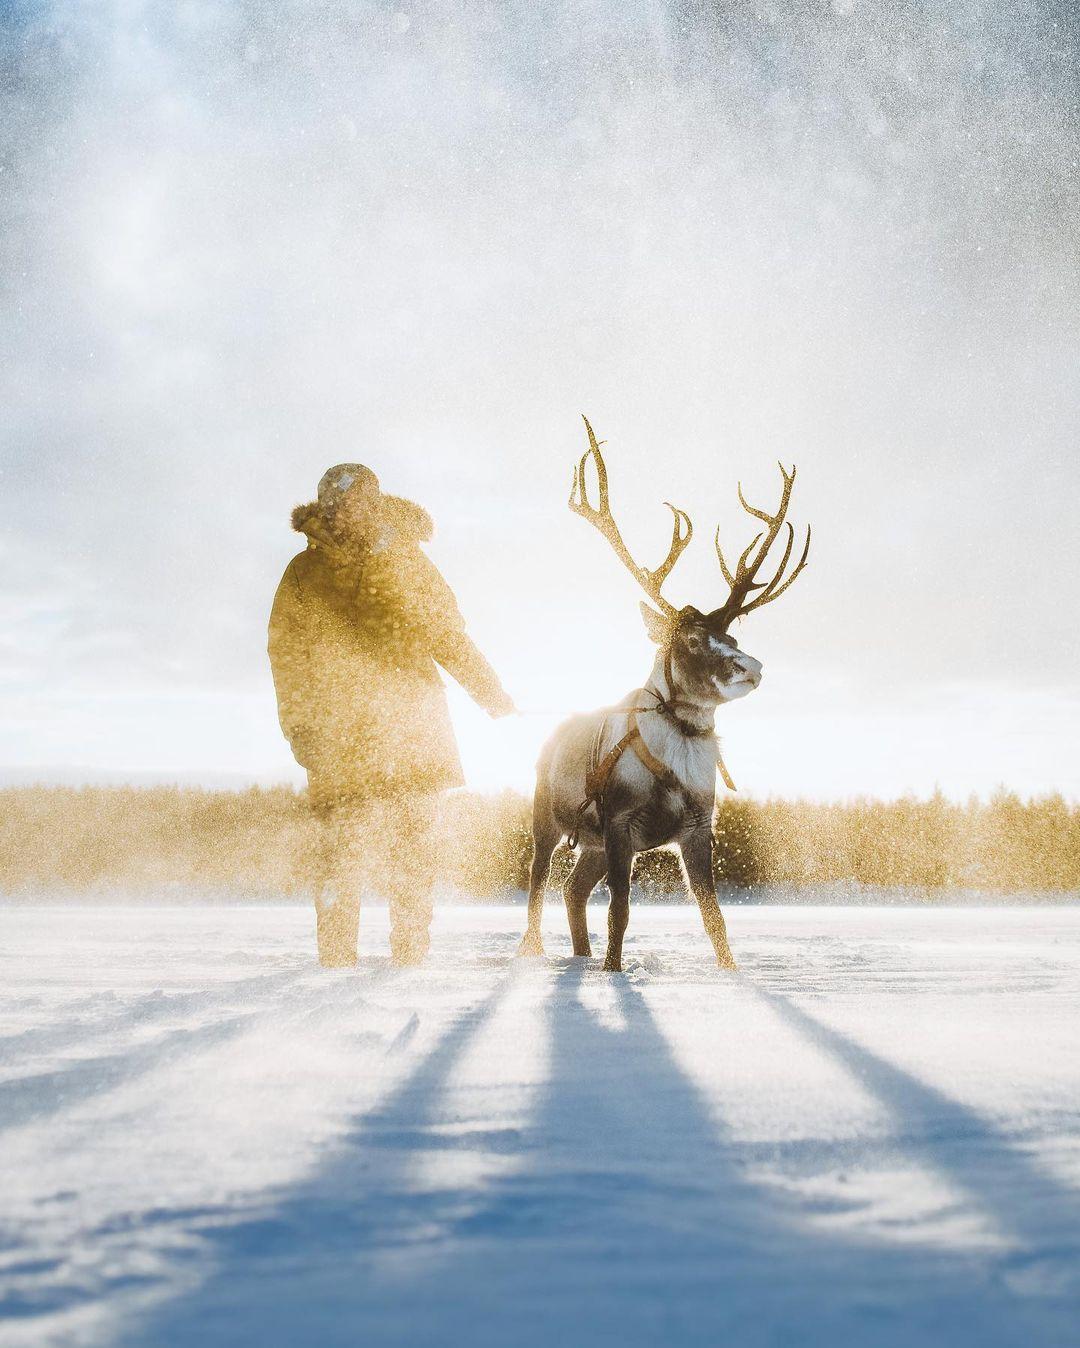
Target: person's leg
[(336, 859), (409, 828)]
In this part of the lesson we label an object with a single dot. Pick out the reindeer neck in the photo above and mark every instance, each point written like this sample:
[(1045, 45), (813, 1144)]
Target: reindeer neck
[(693, 715)]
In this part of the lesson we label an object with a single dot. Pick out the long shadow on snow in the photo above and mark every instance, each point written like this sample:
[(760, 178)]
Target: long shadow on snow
[(31, 1099), (320, 1228), (34, 1098), (108, 1014), (1027, 1205), (624, 1220)]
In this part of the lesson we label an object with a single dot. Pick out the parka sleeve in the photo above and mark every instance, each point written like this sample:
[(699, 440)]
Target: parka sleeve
[(443, 627), (287, 645)]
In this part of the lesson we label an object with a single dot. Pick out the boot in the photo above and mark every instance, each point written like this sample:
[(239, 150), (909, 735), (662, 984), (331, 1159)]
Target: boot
[(337, 927), (408, 944), (410, 920)]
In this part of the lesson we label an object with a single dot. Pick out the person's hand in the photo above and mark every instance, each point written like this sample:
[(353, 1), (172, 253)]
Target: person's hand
[(502, 706)]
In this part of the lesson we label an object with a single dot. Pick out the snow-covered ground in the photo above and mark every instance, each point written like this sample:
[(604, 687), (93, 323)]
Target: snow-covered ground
[(869, 1136)]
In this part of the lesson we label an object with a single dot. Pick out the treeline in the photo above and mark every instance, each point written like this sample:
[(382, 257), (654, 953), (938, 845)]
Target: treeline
[(169, 841)]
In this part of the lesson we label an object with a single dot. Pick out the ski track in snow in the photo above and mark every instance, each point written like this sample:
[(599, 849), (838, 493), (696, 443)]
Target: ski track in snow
[(870, 1135)]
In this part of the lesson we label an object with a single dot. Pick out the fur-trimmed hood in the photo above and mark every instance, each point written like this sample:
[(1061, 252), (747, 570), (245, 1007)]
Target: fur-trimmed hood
[(402, 514)]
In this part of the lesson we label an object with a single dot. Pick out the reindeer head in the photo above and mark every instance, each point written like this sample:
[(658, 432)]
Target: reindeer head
[(711, 666), (710, 663)]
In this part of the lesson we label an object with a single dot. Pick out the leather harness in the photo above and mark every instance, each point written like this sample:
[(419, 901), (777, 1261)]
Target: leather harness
[(600, 769)]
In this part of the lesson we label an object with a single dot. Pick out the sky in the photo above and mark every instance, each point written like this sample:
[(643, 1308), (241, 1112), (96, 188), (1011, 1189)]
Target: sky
[(239, 243)]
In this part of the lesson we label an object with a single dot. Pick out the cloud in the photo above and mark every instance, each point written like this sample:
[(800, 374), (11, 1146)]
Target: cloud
[(242, 243)]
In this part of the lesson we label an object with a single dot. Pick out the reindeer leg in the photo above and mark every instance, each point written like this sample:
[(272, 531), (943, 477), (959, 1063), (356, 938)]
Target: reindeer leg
[(545, 839), (587, 873), (697, 855), (620, 861)]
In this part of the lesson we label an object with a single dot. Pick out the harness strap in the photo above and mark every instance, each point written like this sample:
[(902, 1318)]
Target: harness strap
[(596, 779), (658, 768), (600, 769)]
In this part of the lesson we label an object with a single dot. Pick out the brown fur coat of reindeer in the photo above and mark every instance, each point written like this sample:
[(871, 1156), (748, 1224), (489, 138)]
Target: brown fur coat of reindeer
[(640, 775)]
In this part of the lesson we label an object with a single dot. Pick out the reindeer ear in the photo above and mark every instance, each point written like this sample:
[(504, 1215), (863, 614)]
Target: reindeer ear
[(656, 625)]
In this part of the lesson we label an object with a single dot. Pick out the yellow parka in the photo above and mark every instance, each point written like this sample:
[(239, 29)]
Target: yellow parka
[(356, 631)]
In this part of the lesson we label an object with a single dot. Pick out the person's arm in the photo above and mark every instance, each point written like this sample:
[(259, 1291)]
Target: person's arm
[(287, 646), (450, 645)]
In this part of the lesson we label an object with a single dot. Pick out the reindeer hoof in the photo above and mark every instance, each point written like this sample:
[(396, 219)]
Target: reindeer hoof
[(726, 960), (612, 966), (530, 946)]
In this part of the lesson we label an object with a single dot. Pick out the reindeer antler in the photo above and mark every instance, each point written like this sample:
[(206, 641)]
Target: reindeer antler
[(601, 516), (746, 569)]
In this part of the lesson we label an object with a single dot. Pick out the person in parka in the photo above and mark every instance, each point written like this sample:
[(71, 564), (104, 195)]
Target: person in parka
[(359, 623)]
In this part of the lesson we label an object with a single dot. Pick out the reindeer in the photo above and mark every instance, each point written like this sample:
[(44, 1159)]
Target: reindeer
[(612, 804)]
